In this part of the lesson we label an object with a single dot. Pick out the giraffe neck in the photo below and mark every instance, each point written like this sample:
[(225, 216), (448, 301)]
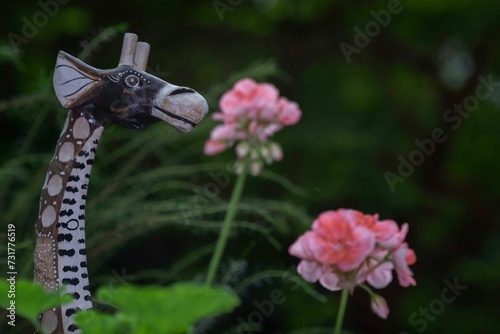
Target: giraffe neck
[(60, 254)]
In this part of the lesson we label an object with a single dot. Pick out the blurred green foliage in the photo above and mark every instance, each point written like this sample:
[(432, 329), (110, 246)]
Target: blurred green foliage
[(153, 309), (358, 118), (30, 300)]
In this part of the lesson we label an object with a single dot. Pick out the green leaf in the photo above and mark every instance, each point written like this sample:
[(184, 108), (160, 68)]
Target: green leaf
[(169, 309), (30, 299), (92, 322)]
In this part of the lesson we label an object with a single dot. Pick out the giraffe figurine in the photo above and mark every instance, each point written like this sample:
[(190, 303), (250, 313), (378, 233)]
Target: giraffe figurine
[(126, 96)]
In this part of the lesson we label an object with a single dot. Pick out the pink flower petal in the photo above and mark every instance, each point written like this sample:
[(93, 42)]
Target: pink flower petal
[(223, 132), (403, 232), (213, 147), (301, 248), (381, 276), (331, 224), (405, 275), (311, 271), (330, 281), (411, 257), (358, 218), (268, 130), (230, 104), (245, 86), (387, 234), (363, 245), (289, 112), (268, 92)]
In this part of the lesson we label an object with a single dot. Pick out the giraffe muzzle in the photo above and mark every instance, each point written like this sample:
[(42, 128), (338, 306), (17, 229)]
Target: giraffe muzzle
[(181, 107)]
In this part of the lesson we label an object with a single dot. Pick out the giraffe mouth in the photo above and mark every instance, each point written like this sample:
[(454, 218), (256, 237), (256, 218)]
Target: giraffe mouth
[(176, 117), (181, 107)]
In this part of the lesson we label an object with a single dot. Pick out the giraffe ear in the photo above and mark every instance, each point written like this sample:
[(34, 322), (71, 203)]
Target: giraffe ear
[(72, 79)]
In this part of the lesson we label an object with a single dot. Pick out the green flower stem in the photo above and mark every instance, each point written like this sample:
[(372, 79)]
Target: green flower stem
[(340, 315), (367, 289), (226, 226)]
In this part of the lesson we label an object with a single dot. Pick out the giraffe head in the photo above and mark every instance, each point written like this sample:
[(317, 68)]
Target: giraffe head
[(127, 95)]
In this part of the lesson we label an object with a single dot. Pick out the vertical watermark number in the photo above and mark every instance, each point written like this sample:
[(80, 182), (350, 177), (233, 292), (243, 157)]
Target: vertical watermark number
[(11, 273)]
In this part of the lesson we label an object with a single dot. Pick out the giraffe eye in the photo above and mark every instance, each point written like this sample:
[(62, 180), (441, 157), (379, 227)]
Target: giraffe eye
[(132, 81)]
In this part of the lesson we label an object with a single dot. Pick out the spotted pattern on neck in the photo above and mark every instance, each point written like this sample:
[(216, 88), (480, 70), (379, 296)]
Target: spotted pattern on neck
[(60, 254)]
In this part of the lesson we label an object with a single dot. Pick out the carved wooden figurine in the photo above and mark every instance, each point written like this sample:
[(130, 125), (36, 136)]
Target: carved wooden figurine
[(127, 96)]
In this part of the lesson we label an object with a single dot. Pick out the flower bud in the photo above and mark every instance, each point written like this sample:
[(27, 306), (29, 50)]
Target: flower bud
[(242, 149), (379, 306), (255, 168), (276, 152)]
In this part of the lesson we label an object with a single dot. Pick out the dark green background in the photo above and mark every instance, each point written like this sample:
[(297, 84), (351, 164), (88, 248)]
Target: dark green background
[(358, 118)]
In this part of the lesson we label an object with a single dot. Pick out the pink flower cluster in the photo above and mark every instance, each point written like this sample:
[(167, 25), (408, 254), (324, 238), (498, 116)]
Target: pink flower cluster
[(346, 248), (251, 113)]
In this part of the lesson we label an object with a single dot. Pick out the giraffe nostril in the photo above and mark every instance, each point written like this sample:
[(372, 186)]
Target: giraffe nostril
[(181, 90)]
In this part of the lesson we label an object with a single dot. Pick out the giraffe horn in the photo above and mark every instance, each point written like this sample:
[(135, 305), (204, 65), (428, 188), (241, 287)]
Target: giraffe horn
[(128, 49), (141, 56)]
